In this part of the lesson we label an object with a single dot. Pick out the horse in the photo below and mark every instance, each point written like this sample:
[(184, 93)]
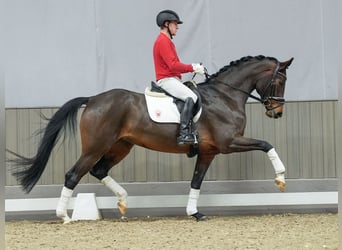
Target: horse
[(114, 121)]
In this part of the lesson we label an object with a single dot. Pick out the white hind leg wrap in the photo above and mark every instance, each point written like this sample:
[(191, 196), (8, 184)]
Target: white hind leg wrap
[(119, 191), (276, 162), (62, 205), (191, 208)]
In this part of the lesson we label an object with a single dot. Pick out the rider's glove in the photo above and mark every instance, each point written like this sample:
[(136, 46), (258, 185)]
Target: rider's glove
[(198, 68)]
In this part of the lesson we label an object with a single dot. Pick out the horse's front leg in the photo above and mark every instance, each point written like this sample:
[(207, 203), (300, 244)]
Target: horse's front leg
[(202, 165), (279, 169), (242, 144)]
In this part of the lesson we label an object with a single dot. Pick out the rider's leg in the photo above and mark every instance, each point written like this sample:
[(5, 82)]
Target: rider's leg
[(176, 88), (185, 135)]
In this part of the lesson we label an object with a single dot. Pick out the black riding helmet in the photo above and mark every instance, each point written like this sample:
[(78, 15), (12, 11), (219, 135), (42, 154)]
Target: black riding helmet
[(167, 15)]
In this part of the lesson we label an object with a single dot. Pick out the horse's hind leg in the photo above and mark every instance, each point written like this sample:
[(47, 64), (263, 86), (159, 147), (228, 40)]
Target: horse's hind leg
[(72, 177), (100, 171)]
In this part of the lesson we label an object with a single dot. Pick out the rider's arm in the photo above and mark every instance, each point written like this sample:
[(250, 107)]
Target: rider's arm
[(169, 55)]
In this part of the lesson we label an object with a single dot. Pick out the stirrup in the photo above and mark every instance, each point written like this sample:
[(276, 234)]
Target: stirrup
[(186, 139)]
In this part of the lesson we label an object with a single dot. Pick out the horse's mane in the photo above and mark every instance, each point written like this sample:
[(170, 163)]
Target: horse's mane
[(238, 62)]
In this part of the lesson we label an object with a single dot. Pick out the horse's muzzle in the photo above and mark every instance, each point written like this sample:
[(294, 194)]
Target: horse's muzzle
[(273, 114), (274, 107)]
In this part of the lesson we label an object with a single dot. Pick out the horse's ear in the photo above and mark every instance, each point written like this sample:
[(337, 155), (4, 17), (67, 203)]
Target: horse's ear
[(286, 64)]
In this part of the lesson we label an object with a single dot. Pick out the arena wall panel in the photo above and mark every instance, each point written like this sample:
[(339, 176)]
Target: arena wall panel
[(304, 139)]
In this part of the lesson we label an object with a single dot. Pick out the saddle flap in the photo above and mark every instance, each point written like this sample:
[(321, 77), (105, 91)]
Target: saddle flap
[(161, 107), (164, 108)]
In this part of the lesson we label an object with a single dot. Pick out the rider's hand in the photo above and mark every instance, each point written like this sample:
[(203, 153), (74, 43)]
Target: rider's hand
[(198, 68)]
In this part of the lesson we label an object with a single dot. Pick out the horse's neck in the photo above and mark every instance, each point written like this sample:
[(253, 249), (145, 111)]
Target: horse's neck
[(236, 87), (224, 97)]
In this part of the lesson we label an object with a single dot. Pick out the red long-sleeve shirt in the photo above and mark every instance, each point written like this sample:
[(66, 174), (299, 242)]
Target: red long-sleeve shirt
[(166, 61)]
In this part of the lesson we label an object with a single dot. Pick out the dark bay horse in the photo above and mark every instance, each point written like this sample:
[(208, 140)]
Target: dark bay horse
[(114, 121)]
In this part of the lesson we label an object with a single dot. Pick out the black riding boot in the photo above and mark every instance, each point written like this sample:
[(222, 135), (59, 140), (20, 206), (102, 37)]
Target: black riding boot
[(185, 135)]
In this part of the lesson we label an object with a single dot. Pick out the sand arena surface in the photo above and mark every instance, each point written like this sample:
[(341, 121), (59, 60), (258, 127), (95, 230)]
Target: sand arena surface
[(289, 231)]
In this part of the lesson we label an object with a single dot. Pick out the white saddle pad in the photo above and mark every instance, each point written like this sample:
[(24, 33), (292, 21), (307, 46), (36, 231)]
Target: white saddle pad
[(162, 109)]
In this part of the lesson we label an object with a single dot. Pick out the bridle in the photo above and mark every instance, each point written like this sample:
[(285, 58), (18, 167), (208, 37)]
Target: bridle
[(263, 99), (271, 98)]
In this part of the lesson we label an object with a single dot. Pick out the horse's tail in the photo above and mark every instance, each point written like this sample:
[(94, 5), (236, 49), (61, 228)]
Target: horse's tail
[(28, 170)]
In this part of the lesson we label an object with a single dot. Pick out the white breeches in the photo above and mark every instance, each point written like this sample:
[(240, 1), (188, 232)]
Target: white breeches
[(175, 87)]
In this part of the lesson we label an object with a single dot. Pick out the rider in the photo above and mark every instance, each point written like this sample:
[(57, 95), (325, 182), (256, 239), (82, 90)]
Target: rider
[(168, 69)]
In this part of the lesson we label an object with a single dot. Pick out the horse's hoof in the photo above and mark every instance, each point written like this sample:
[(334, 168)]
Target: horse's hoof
[(280, 184), (122, 208), (200, 217), (64, 216), (280, 181), (66, 220), (124, 219)]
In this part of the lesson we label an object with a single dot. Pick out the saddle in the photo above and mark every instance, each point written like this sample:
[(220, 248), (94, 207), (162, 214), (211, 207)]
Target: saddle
[(180, 103), (165, 108)]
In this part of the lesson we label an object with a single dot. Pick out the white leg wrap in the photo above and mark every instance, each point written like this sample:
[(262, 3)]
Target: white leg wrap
[(276, 162), (62, 206), (191, 208), (119, 191)]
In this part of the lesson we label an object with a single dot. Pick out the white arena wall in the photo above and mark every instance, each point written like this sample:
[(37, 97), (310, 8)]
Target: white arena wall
[(57, 50)]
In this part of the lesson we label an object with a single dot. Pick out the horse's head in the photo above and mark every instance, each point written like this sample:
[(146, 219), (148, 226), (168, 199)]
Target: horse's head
[(266, 75), (271, 88)]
